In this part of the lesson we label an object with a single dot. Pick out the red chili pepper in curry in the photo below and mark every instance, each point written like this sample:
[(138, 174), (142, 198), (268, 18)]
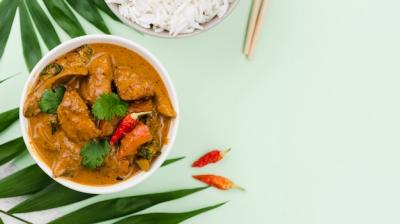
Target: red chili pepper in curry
[(219, 182), (127, 124), (210, 157)]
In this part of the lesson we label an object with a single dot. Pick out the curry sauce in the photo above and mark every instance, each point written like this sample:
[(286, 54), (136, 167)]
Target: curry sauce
[(61, 123)]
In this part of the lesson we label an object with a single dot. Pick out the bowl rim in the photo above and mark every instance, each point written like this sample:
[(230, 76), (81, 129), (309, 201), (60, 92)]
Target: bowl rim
[(130, 45), (206, 26)]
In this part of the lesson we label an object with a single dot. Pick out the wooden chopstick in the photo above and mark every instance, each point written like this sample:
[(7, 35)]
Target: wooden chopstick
[(252, 24), (257, 29)]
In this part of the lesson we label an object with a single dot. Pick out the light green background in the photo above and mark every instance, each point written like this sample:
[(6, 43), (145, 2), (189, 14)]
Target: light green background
[(313, 121)]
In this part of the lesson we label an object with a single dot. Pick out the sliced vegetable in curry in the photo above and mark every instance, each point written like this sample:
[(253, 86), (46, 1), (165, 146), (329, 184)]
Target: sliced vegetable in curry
[(98, 114), (52, 69)]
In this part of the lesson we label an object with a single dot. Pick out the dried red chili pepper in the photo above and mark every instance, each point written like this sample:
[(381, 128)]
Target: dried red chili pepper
[(219, 182), (127, 124), (210, 157)]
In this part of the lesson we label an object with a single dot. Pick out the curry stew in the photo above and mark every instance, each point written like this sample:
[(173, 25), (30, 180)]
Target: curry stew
[(98, 114)]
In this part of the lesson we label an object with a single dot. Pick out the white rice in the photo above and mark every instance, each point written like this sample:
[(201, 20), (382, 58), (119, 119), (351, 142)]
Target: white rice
[(173, 16)]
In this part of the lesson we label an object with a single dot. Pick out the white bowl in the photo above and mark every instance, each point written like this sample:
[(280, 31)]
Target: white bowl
[(206, 26), (68, 46)]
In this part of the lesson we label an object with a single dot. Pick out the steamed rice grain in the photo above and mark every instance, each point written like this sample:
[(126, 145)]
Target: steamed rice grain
[(173, 16)]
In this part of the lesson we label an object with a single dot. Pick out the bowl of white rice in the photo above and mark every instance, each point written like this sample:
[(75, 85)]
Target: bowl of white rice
[(171, 18)]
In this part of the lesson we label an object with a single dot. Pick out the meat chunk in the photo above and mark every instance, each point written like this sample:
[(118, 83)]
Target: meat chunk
[(47, 134), (118, 167), (63, 150), (41, 131), (131, 142), (31, 106), (107, 127), (78, 57), (164, 105), (141, 106), (68, 159), (99, 79), (131, 85), (67, 162), (74, 118)]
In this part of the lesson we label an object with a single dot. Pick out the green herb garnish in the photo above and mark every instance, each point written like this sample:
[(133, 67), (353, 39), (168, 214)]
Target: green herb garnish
[(108, 106), (145, 153), (148, 150), (94, 152), (51, 99)]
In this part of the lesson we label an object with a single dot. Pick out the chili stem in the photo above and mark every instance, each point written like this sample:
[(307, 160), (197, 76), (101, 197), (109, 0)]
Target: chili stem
[(15, 217), (238, 187), (135, 116), (223, 153)]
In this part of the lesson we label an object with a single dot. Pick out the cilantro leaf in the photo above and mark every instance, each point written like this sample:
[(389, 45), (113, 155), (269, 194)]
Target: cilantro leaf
[(51, 99), (94, 152), (108, 106)]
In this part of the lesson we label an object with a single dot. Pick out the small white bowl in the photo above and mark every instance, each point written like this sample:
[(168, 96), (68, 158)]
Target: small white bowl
[(68, 46), (206, 26)]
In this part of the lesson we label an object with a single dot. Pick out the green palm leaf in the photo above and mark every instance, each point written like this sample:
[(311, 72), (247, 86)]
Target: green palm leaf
[(8, 117), (11, 149), (30, 42), (56, 195), (90, 13), (165, 218), (47, 193), (101, 4), (43, 24), (170, 161), (114, 208), (7, 78), (53, 196), (61, 13), (64, 17), (7, 9), (28, 180)]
